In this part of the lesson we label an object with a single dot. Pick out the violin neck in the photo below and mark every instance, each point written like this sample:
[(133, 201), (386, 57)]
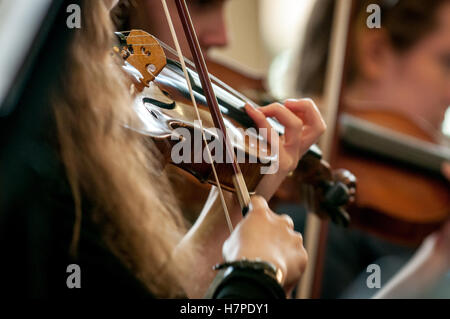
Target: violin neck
[(363, 135), (230, 103)]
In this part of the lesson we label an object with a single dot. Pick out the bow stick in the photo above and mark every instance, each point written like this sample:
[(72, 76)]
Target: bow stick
[(238, 179)]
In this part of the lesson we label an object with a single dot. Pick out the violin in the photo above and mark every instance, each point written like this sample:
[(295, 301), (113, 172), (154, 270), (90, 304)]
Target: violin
[(398, 198), (163, 106)]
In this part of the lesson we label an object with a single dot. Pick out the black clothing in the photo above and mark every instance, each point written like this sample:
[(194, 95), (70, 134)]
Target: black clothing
[(246, 283)]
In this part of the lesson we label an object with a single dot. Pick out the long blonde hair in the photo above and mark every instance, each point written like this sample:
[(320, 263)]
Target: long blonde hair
[(115, 170)]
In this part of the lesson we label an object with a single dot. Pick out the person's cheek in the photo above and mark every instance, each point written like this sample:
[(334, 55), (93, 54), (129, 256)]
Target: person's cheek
[(428, 83), (439, 86)]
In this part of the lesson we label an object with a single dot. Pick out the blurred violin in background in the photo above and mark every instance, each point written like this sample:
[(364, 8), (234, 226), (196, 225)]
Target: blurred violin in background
[(402, 195)]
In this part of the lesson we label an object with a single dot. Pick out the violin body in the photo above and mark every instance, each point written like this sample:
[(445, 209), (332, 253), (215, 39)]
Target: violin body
[(400, 202), (165, 107)]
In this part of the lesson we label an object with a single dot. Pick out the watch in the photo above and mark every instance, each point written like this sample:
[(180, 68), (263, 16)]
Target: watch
[(256, 264)]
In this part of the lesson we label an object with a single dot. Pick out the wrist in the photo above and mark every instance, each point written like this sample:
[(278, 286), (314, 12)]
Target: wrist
[(257, 265), (245, 280), (269, 184)]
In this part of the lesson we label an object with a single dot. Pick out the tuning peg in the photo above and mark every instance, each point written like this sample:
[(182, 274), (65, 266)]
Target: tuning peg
[(337, 195)]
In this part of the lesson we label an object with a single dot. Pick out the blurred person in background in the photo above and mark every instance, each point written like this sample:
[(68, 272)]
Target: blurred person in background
[(208, 17), (402, 69)]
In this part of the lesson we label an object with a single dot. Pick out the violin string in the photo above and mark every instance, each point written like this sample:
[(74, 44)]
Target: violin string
[(180, 55), (213, 78), (216, 80)]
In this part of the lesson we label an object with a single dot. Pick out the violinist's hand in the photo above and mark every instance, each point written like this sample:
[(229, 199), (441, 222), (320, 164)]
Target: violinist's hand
[(303, 126), (270, 237)]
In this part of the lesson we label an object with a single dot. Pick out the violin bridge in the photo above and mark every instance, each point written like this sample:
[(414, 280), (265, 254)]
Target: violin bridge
[(143, 51)]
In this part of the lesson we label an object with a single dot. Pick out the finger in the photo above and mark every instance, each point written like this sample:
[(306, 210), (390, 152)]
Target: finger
[(282, 114), (307, 110), (305, 107), (260, 120), (288, 220), (446, 170), (259, 204), (301, 253), (299, 238), (304, 258), (293, 125)]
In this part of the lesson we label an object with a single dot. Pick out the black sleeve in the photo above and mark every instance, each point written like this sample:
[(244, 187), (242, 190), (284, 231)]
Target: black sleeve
[(248, 284)]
